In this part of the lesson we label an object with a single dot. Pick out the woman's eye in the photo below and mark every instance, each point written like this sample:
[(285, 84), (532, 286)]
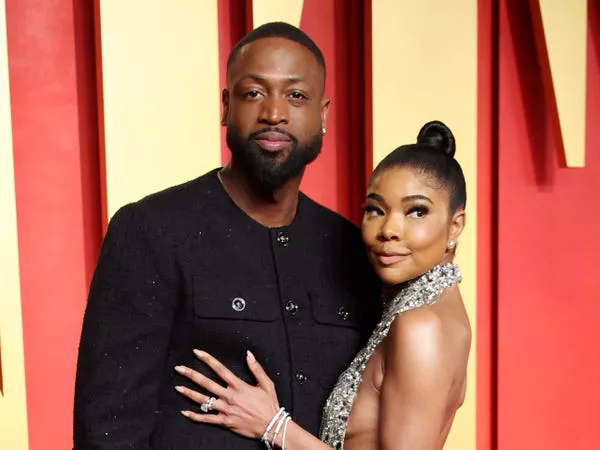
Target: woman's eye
[(372, 211), (417, 212)]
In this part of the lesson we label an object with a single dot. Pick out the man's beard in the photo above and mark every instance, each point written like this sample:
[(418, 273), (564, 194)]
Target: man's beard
[(264, 166)]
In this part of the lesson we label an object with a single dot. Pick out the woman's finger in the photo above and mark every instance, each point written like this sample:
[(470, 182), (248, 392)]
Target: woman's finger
[(257, 370), (215, 419), (202, 381), (224, 373), (217, 405)]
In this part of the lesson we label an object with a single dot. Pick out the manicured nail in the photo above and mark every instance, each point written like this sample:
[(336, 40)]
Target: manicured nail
[(250, 356), (180, 389), (185, 413), (181, 369), (200, 353)]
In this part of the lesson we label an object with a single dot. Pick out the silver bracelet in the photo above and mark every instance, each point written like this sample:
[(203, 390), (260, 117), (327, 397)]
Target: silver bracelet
[(278, 428), (265, 437), (287, 420)]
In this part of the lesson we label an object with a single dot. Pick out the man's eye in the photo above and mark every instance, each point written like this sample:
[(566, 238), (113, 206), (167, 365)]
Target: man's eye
[(298, 95), (417, 212), (252, 94)]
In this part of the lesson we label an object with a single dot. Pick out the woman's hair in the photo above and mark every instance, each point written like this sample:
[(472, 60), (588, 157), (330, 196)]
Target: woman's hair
[(433, 154)]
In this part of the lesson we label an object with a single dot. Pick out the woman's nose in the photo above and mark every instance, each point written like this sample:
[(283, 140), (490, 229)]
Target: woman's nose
[(390, 231)]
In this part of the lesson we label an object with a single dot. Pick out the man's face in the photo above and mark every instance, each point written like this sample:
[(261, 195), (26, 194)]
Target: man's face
[(274, 109)]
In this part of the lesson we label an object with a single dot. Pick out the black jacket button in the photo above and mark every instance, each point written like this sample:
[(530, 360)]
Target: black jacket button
[(291, 308), (283, 239), (301, 378), (238, 304), (343, 314)]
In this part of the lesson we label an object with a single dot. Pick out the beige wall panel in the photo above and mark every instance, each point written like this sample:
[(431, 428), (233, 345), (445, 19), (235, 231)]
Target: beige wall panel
[(13, 402), (565, 30), (161, 94), (264, 11), (425, 68)]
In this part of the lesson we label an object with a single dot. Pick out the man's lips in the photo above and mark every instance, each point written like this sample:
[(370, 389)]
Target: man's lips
[(272, 141), (389, 258)]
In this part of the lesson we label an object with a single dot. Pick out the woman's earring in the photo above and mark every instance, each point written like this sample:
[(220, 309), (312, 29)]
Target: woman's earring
[(451, 245)]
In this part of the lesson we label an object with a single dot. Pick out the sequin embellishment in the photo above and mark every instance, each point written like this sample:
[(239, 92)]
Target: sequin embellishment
[(419, 292)]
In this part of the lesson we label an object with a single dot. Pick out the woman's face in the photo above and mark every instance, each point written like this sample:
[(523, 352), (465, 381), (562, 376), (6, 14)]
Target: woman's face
[(407, 224)]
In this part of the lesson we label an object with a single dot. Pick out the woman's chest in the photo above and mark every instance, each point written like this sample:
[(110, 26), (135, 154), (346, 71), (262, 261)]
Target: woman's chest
[(364, 416)]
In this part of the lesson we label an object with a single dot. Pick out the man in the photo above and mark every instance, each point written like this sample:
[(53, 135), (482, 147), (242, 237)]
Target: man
[(234, 260)]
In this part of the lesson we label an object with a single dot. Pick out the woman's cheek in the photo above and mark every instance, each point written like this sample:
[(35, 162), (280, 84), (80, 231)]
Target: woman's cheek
[(419, 235)]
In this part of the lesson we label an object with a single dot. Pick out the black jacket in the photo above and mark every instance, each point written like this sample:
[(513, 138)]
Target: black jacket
[(186, 268)]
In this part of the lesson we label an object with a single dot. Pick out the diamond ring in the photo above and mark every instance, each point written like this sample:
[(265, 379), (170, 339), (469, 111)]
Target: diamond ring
[(207, 405)]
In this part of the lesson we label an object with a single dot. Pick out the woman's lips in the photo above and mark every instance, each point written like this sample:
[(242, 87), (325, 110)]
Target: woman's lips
[(387, 259)]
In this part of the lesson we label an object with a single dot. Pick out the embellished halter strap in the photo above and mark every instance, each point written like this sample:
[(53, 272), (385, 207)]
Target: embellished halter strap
[(421, 291)]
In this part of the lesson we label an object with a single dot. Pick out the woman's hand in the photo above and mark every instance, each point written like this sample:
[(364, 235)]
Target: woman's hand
[(242, 408)]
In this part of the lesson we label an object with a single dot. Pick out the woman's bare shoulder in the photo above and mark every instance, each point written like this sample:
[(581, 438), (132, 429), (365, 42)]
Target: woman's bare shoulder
[(432, 337)]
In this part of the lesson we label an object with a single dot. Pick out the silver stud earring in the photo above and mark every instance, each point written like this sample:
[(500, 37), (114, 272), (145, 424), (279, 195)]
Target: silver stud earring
[(323, 130), (451, 245)]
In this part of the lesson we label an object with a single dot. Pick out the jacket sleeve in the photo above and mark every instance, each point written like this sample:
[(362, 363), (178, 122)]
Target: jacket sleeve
[(125, 335)]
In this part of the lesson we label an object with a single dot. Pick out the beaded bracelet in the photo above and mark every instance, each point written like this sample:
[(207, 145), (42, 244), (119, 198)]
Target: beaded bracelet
[(278, 428), (265, 437), (287, 420)]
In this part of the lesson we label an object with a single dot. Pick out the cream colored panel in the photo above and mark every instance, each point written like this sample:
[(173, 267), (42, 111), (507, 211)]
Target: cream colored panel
[(161, 94), (289, 11), (13, 402), (425, 68), (565, 30)]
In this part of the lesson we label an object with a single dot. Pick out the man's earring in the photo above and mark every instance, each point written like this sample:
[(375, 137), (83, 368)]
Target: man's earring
[(451, 245), (323, 130)]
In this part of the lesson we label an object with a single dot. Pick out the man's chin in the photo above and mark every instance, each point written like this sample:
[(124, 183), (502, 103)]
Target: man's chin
[(274, 157)]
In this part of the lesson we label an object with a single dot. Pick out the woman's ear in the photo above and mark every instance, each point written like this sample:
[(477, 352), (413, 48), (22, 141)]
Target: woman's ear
[(457, 225)]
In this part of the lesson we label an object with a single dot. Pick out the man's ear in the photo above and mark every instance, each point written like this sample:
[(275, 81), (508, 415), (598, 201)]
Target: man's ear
[(225, 104), (324, 110)]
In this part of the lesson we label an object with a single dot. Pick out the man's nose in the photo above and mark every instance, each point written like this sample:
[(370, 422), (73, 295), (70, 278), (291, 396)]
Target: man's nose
[(274, 110)]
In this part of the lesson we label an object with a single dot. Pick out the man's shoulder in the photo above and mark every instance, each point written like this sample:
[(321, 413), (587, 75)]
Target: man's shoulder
[(195, 190), (322, 216), (164, 207)]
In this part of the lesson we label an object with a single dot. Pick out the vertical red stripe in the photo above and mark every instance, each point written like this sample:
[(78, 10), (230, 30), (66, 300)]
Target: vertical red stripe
[(88, 131), (367, 50), (487, 209), (50, 53), (548, 250), (336, 179)]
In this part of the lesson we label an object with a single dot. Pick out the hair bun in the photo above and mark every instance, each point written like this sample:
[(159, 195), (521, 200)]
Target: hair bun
[(436, 134)]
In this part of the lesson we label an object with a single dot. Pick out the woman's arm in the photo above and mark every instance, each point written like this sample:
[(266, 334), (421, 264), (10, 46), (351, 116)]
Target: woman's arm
[(416, 383), (244, 409)]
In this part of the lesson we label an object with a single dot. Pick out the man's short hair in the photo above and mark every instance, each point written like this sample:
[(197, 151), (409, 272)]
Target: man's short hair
[(280, 30)]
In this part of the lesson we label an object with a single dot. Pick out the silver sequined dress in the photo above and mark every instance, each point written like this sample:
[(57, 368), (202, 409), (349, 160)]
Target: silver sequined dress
[(419, 292)]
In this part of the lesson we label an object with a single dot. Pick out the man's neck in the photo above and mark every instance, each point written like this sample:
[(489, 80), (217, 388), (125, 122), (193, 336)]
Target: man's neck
[(269, 207)]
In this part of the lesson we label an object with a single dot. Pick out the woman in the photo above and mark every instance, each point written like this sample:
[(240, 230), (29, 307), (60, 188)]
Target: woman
[(403, 389)]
